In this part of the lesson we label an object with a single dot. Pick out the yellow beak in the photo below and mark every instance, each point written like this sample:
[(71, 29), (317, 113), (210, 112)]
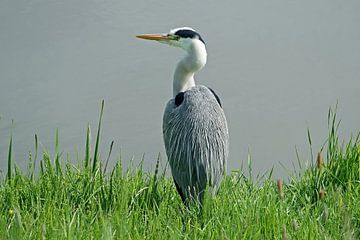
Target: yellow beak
[(156, 37)]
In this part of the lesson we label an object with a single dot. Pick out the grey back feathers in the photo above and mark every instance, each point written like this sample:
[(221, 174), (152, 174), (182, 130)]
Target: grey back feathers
[(196, 141)]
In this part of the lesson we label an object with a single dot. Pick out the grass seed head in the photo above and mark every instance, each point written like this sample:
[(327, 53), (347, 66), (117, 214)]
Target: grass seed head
[(11, 212), (280, 188), (322, 194), (284, 233), (43, 231), (295, 225), (319, 161), (325, 214)]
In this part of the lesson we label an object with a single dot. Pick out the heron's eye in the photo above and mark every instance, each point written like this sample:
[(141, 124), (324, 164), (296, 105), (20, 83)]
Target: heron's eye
[(175, 37)]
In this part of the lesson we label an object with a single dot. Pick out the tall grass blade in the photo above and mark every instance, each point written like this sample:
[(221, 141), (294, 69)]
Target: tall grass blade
[(10, 159), (87, 147), (249, 161), (35, 158), (271, 172), (298, 157), (57, 154), (310, 144), (96, 152), (107, 160)]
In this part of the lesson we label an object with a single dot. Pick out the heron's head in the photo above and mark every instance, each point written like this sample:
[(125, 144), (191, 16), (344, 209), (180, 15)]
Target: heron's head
[(184, 37)]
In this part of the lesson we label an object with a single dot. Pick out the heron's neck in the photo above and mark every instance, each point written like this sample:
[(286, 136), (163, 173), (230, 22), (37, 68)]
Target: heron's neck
[(194, 60)]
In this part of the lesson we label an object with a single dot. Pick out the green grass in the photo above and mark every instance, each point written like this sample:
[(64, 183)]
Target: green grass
[(80, 201)]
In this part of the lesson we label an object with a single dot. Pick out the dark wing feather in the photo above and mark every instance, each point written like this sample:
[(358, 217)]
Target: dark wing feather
[(216, 96)]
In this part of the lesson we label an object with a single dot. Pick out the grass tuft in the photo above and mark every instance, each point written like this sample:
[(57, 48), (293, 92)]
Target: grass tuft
[(83, 201)]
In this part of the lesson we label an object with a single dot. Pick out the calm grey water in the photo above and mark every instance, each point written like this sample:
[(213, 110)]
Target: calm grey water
[(278, 66)]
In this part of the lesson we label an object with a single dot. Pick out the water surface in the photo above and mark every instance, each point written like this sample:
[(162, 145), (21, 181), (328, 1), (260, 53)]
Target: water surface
[(277, 67)]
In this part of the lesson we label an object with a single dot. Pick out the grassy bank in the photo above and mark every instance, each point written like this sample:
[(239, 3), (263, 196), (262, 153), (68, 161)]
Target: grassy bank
[(81, 201)]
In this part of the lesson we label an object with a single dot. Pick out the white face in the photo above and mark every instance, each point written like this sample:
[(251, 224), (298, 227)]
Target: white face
[(184, 43)]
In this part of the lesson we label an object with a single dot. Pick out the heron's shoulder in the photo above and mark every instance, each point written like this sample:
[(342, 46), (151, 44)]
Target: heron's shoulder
[(199, 88), (207, 91), (216, 96), (199, 96)]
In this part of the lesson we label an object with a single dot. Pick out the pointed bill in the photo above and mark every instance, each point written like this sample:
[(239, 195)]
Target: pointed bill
[(156, 37)]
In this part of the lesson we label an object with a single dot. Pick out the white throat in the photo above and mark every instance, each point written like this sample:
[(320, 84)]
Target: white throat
[(194, 60)]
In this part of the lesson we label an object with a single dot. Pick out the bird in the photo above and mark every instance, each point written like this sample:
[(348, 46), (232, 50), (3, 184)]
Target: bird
[(195, 129)]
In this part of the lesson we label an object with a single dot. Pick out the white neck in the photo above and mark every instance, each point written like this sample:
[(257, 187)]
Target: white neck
[(194, 60)]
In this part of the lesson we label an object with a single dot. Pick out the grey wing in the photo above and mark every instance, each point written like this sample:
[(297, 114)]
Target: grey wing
[(196, 141)]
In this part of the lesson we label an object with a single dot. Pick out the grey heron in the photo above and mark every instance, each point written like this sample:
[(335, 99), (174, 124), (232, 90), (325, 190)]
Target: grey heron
[(194, 125)]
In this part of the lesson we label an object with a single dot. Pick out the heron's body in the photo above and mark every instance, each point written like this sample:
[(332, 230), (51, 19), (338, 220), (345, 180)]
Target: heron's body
[(194, 124), (196, 141)]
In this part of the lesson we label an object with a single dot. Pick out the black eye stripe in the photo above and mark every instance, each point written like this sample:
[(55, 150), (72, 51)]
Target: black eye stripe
[(187, 33)]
